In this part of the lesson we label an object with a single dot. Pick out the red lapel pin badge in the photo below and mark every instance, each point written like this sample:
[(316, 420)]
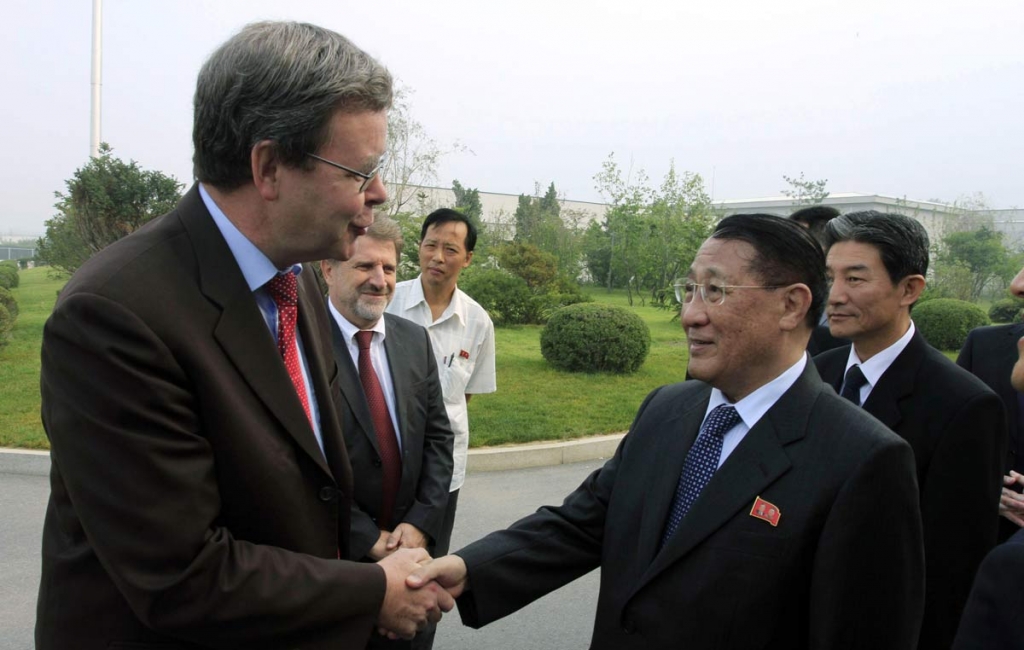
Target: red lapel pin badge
[(767, 511), (464, 354)]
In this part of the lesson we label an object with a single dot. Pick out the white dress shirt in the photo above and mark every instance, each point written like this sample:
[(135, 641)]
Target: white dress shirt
[(876, 366)]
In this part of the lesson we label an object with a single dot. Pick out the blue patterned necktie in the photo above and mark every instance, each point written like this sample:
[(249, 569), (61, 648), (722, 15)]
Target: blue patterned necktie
[(701, 463), (852, 384)]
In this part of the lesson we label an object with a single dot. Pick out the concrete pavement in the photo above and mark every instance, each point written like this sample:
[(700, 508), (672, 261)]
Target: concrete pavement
[(523, 478)]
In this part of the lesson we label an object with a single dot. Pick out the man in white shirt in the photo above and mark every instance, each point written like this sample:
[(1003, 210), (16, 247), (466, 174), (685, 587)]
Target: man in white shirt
[(753, 508), (461, 333), (954, 423)]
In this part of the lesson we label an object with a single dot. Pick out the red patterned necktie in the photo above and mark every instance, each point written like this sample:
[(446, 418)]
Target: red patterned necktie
[(391, 459), (284, 290)]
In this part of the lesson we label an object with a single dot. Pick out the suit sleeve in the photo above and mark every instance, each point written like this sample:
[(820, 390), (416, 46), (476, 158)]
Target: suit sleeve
[(431, 500), (867, 585), (992, 617), (131, 453), (509, 569), (961, 518), (964, 359)]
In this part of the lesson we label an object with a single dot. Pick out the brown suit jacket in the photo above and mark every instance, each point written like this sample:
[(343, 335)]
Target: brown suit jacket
[(190, 504)]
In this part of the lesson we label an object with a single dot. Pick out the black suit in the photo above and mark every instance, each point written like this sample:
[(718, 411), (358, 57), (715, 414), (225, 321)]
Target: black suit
[(422, 425), (843, 568), (994, 615), (822, 341), (191, 505), (955, 426)]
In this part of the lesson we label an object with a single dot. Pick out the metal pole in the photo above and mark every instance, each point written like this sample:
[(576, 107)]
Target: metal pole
[(97, 76)]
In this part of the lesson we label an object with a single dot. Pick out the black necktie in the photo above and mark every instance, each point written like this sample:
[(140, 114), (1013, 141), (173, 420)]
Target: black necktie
[(852, 384)]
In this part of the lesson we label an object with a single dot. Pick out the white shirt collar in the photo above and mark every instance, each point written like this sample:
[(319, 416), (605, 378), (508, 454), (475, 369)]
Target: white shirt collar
[(753, 407), (348, 330), (415, 297), (876, 366)]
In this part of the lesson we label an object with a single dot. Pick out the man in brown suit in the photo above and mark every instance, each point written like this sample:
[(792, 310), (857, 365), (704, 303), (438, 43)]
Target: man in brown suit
[(200, 486)]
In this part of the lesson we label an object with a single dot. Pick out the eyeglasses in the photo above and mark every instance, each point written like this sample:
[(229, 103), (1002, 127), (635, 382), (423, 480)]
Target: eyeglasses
[(367, 178), (711, 294)]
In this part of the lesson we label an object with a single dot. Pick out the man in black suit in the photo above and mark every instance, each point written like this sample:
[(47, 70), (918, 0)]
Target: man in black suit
[(814, 218), (200, 488), (400, 498), (753, 508), (877, 264), (989, 354)]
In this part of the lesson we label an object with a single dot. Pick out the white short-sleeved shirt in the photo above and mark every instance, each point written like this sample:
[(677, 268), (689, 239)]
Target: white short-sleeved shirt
[(463, 343)]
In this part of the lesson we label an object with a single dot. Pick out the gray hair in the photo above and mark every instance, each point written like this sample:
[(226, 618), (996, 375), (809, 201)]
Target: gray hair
[(902, 242), (280, 81), (385, 229)]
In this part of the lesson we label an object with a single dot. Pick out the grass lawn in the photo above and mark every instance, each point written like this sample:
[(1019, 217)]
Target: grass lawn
[(535, 402), (19, 361)]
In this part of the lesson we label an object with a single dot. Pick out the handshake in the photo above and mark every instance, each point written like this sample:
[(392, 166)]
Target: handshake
[(419, 590)]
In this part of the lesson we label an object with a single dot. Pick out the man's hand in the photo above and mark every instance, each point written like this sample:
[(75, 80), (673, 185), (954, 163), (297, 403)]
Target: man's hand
[(406, 611), (1011, 503), (448, 571), (379, 550), (406, 536)]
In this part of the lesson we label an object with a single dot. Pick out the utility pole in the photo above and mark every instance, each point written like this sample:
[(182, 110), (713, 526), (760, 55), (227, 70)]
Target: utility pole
[(97, 76)]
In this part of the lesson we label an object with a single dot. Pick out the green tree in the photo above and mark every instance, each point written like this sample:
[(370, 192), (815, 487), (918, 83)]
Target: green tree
[(980, 251), (541, 222), (805, 192), (106, 199), (467, 201), (650, 235)]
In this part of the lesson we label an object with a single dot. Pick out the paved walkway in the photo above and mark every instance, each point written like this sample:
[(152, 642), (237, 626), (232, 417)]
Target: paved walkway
[(522, 478)]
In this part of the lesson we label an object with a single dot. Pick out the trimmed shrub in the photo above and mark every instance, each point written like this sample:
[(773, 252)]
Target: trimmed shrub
[(9, 275), (6, 324), (1006, 310), (595, 338), (8, 301), (506, 297), (945, 322)]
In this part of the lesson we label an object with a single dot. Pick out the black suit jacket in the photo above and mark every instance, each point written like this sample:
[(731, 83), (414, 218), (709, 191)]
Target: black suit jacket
[(190, 503), (993, 617), (955, 426), (842, 569), (989, 354), (822, 341), (422, 424)]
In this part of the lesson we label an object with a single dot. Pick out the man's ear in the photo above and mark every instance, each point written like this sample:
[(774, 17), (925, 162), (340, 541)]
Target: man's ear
[(913, 286), (796, 301), (327, 270), (469, 258), (266, 168)]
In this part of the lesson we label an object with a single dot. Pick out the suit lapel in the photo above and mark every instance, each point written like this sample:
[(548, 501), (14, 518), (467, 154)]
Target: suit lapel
[(682, 432), (395, 348), (897, 383), (1003, 359), (240, 330), (756, 463), (351, 386)]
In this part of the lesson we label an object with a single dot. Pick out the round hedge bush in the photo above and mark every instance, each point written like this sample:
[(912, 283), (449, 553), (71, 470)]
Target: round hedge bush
[(7, 300), (6, 324), (1006, 310), (945, 322), (589, 337), (8, 276)]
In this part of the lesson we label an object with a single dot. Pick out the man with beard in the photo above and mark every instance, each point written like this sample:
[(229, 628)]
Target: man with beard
[(393, 415)]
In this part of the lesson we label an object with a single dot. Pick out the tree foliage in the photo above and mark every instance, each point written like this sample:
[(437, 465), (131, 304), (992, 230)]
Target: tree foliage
[(649, 235), (106, 199), (541, 222), (982, 253), (805, 192)]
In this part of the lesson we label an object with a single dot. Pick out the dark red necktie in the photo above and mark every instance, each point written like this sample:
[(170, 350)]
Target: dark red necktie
[(387, 443), (284, 290)]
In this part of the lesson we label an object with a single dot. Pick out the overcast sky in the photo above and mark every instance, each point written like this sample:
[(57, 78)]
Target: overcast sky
[(916, 99)]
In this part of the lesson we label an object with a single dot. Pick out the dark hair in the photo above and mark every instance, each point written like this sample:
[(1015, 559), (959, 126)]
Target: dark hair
[(444, 215), (786, 254), (902, 242), (279, 81), (815, 218)]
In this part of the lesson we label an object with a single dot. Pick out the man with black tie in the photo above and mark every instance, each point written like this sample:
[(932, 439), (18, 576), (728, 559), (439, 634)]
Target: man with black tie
[(876, 264), (200, 488), (393, 416), (753, 508), (989, 354)]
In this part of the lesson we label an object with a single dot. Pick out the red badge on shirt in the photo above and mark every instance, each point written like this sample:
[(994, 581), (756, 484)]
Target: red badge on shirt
[(766, 511), (464, 354)]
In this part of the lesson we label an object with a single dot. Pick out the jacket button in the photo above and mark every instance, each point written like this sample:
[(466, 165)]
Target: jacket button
[(328, 493), (377, 462)]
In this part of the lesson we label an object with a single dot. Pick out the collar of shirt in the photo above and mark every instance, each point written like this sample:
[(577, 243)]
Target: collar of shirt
[(416, 297), (257, 269), (348, 331), (876, 366)]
